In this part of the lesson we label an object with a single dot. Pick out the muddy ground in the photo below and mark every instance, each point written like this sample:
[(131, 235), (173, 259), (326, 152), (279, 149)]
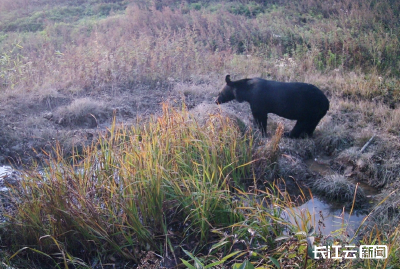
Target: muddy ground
[(31, 125)]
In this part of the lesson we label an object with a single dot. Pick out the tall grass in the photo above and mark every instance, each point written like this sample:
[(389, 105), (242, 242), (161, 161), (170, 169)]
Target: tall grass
[(131, 186), (156, 187)]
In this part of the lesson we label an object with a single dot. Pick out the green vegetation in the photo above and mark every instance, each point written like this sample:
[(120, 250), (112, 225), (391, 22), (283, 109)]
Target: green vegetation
[(38, 17), (171, 189)]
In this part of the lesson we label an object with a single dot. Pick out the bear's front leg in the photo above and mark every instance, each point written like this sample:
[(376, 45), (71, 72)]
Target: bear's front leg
[(261, 122), (299, 130)]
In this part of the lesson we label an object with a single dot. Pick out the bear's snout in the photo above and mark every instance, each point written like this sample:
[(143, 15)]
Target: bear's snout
[(217, 101)]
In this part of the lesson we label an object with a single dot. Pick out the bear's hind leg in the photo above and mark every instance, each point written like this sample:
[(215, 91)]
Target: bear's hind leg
[(310, 127), (304, 128)]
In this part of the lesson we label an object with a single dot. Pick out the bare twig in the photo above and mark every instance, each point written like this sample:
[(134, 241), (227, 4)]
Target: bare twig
[(367, 144)]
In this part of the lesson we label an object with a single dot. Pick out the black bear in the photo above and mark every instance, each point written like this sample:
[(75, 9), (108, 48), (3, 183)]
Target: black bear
[(292, 100)]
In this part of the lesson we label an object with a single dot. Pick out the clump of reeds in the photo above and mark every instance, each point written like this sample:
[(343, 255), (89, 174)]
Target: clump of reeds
[(148, 189)]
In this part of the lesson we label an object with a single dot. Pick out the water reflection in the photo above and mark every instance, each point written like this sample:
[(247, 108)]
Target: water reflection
[(327, 218)]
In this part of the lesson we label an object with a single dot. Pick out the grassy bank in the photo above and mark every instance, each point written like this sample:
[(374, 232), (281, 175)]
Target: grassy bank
[(172, 189), (168, 192)]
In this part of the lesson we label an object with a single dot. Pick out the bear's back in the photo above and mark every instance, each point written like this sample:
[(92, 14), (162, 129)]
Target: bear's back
[(292, 100)]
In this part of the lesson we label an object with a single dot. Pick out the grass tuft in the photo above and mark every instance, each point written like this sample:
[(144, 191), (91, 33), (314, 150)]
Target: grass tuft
[(338, 188), (82, 112)]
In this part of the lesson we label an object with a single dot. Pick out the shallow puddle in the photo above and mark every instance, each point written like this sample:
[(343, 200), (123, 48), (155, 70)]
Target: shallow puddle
[(332, 214), (321, 166), (327, 218)]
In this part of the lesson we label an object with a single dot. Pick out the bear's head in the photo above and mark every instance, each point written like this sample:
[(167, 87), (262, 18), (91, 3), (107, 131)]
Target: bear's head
[(226, 94), (232, 90)]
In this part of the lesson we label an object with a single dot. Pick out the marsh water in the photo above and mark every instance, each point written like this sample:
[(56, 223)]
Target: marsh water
[(327, 217), (330, 216)]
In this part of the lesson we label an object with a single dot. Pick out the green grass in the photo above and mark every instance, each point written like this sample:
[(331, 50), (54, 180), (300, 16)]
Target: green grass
[(43, 14)]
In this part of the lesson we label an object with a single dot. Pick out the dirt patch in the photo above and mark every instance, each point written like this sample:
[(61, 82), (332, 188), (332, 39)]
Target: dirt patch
[(32, 124)]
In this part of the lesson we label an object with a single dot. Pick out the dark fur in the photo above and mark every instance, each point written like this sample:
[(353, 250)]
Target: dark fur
[(295, 101)]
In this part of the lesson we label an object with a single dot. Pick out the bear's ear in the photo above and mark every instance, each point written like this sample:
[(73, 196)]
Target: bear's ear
[(228, 80)]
